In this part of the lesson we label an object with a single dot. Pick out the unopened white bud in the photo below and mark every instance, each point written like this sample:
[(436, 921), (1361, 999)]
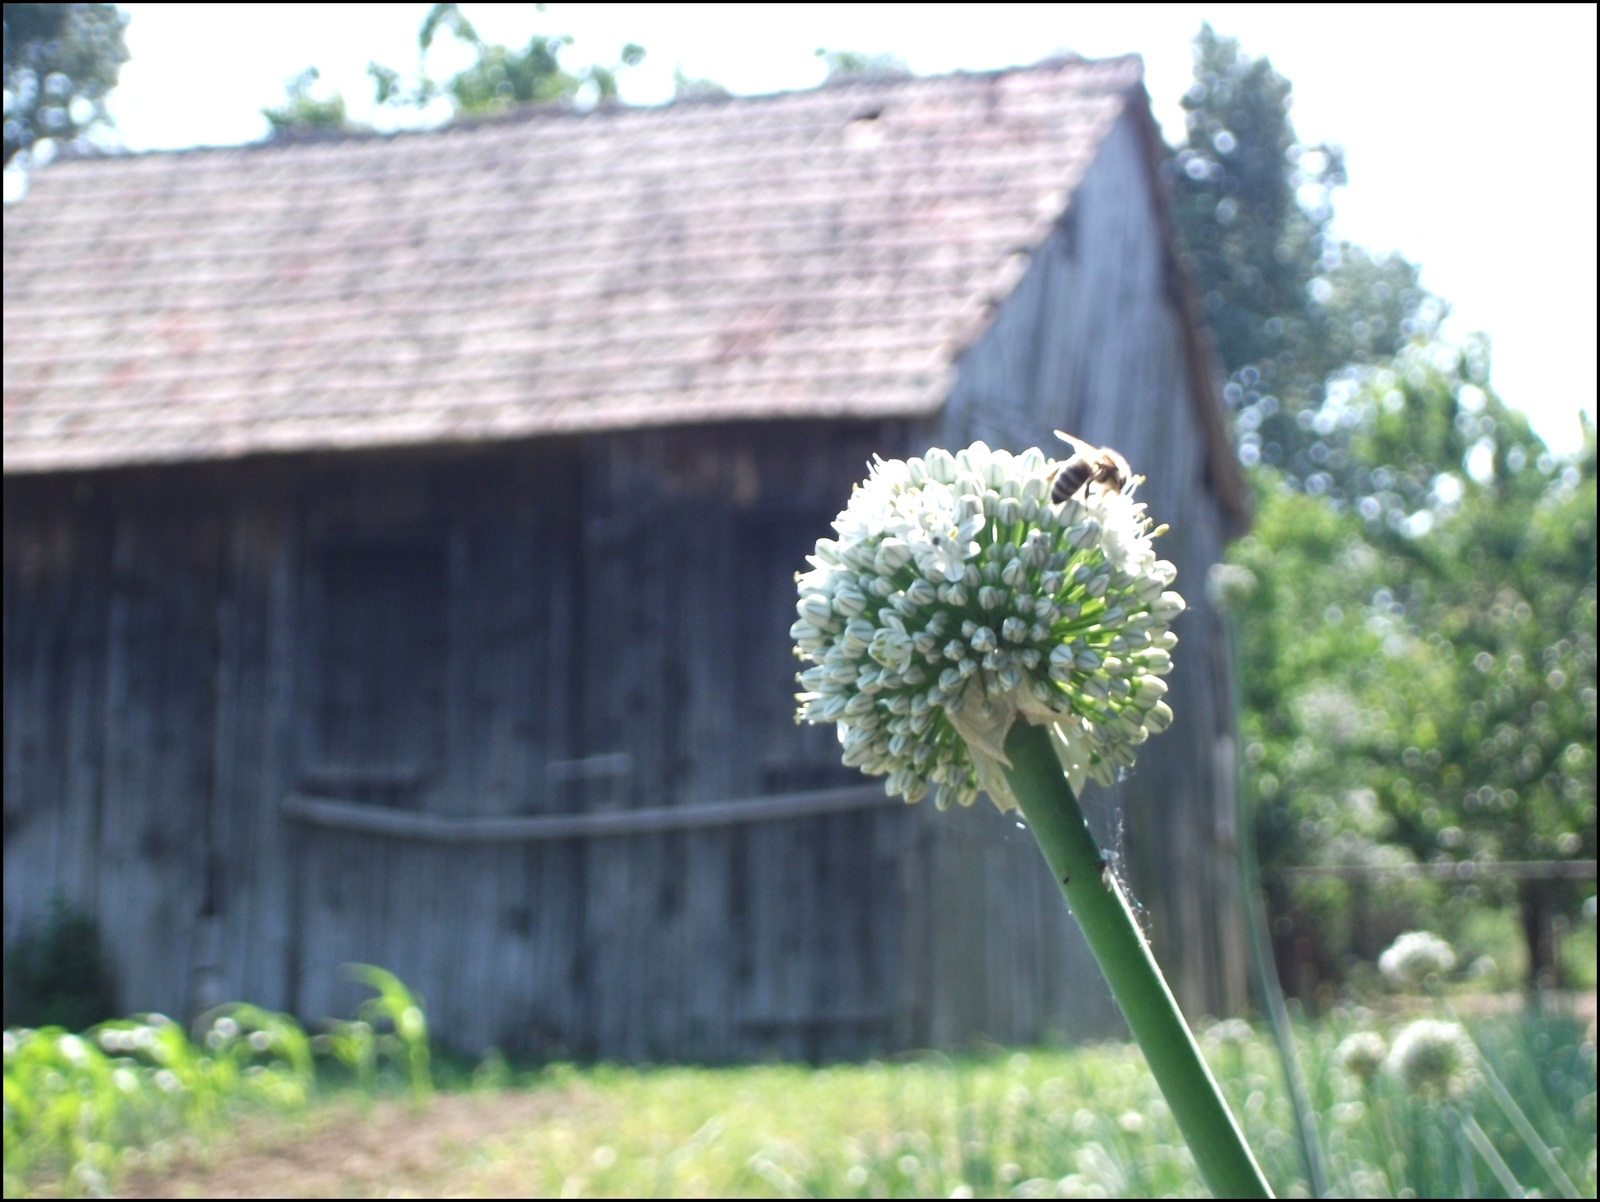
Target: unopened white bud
[(893, 554), (1151, 689), (858, 635), (1168, 606), (815, 609), (827, 551), (848, 601)]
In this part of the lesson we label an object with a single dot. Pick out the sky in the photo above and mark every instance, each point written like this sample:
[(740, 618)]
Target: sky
[(1469, 131)]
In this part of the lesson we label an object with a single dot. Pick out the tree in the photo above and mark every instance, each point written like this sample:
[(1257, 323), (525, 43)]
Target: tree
[(301, 111), (685, 88), (61, 61), (499, 78), (842, 64), (1286, 305), (1419, 666)]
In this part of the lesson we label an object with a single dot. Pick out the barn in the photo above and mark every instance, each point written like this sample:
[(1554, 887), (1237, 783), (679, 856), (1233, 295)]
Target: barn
[(399, 549)]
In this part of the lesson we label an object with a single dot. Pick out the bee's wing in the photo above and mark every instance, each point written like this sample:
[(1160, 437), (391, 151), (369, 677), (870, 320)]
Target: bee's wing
[(1078, 445)]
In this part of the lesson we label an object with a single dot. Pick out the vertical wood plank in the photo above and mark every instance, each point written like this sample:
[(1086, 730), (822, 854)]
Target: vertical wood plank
[(159, 711)]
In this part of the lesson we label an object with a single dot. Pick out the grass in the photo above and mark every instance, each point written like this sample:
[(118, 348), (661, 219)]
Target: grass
[(1084, 1121)]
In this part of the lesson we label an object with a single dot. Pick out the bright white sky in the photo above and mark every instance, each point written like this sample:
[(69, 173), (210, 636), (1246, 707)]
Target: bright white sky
[(1469, 131)]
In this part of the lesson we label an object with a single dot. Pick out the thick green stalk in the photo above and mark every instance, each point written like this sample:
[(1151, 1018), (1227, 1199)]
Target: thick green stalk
[(1119, 946)]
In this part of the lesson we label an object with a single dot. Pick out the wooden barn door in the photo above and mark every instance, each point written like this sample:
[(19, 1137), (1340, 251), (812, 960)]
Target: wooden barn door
[(372, 674), (433, 642)]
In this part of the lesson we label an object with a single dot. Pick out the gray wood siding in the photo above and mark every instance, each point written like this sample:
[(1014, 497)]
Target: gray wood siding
[(1090, 341), (457, 635)]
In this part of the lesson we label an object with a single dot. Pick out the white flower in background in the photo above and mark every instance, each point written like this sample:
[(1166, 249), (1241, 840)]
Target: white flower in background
[(956, 597), (1434, 1056), (1361, 1054), (1415, 956), (1232, 1033)]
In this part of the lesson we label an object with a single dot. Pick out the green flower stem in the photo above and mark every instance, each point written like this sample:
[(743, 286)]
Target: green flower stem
[(1152, 1014), (1519, 1120), (1486, 1149)]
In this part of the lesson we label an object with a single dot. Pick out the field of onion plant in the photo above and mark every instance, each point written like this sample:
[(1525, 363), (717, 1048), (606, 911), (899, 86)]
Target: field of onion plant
[(1408, 1104)]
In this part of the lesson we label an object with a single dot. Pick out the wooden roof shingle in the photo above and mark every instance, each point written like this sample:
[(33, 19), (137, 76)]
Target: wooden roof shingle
[(808, 254)]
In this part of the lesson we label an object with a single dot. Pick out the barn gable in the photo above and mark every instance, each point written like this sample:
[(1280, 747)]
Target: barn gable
[(398, 544)]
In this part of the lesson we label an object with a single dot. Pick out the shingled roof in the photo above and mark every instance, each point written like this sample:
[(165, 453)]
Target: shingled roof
[(809, 254)]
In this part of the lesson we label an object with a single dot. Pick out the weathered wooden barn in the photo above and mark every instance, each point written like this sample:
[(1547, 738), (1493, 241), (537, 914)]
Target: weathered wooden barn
[(399, 539)]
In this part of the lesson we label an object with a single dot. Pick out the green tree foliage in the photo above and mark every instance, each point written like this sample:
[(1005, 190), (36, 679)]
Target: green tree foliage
[(1286, 305), (61, 61), (1418, 659), (842, 64), (1419, 667), (301, 111), (499, 78), (686, 88)]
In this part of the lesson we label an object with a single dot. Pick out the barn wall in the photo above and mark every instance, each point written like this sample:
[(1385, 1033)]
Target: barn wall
[(187, 646), (1090, 342)]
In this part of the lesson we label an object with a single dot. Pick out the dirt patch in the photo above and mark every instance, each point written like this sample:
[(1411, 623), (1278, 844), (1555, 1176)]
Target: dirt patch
[(388, 1149)]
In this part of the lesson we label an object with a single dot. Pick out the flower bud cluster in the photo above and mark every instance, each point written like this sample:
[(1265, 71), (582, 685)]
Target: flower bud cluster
[(1362, 1054), (956, 596), (1434, 1057), (1414, 957)]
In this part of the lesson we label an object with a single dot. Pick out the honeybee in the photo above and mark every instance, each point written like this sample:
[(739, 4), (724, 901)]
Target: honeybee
[(1088, 465)]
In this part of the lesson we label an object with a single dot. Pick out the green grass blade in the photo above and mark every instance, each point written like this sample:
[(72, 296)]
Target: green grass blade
[(1541, 1150), (1486, 1149)]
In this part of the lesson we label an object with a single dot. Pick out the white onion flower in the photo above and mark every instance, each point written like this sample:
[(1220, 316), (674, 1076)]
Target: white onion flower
[(1434, 1056), (1362, 1054), (956, 598), (1414, 957)]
